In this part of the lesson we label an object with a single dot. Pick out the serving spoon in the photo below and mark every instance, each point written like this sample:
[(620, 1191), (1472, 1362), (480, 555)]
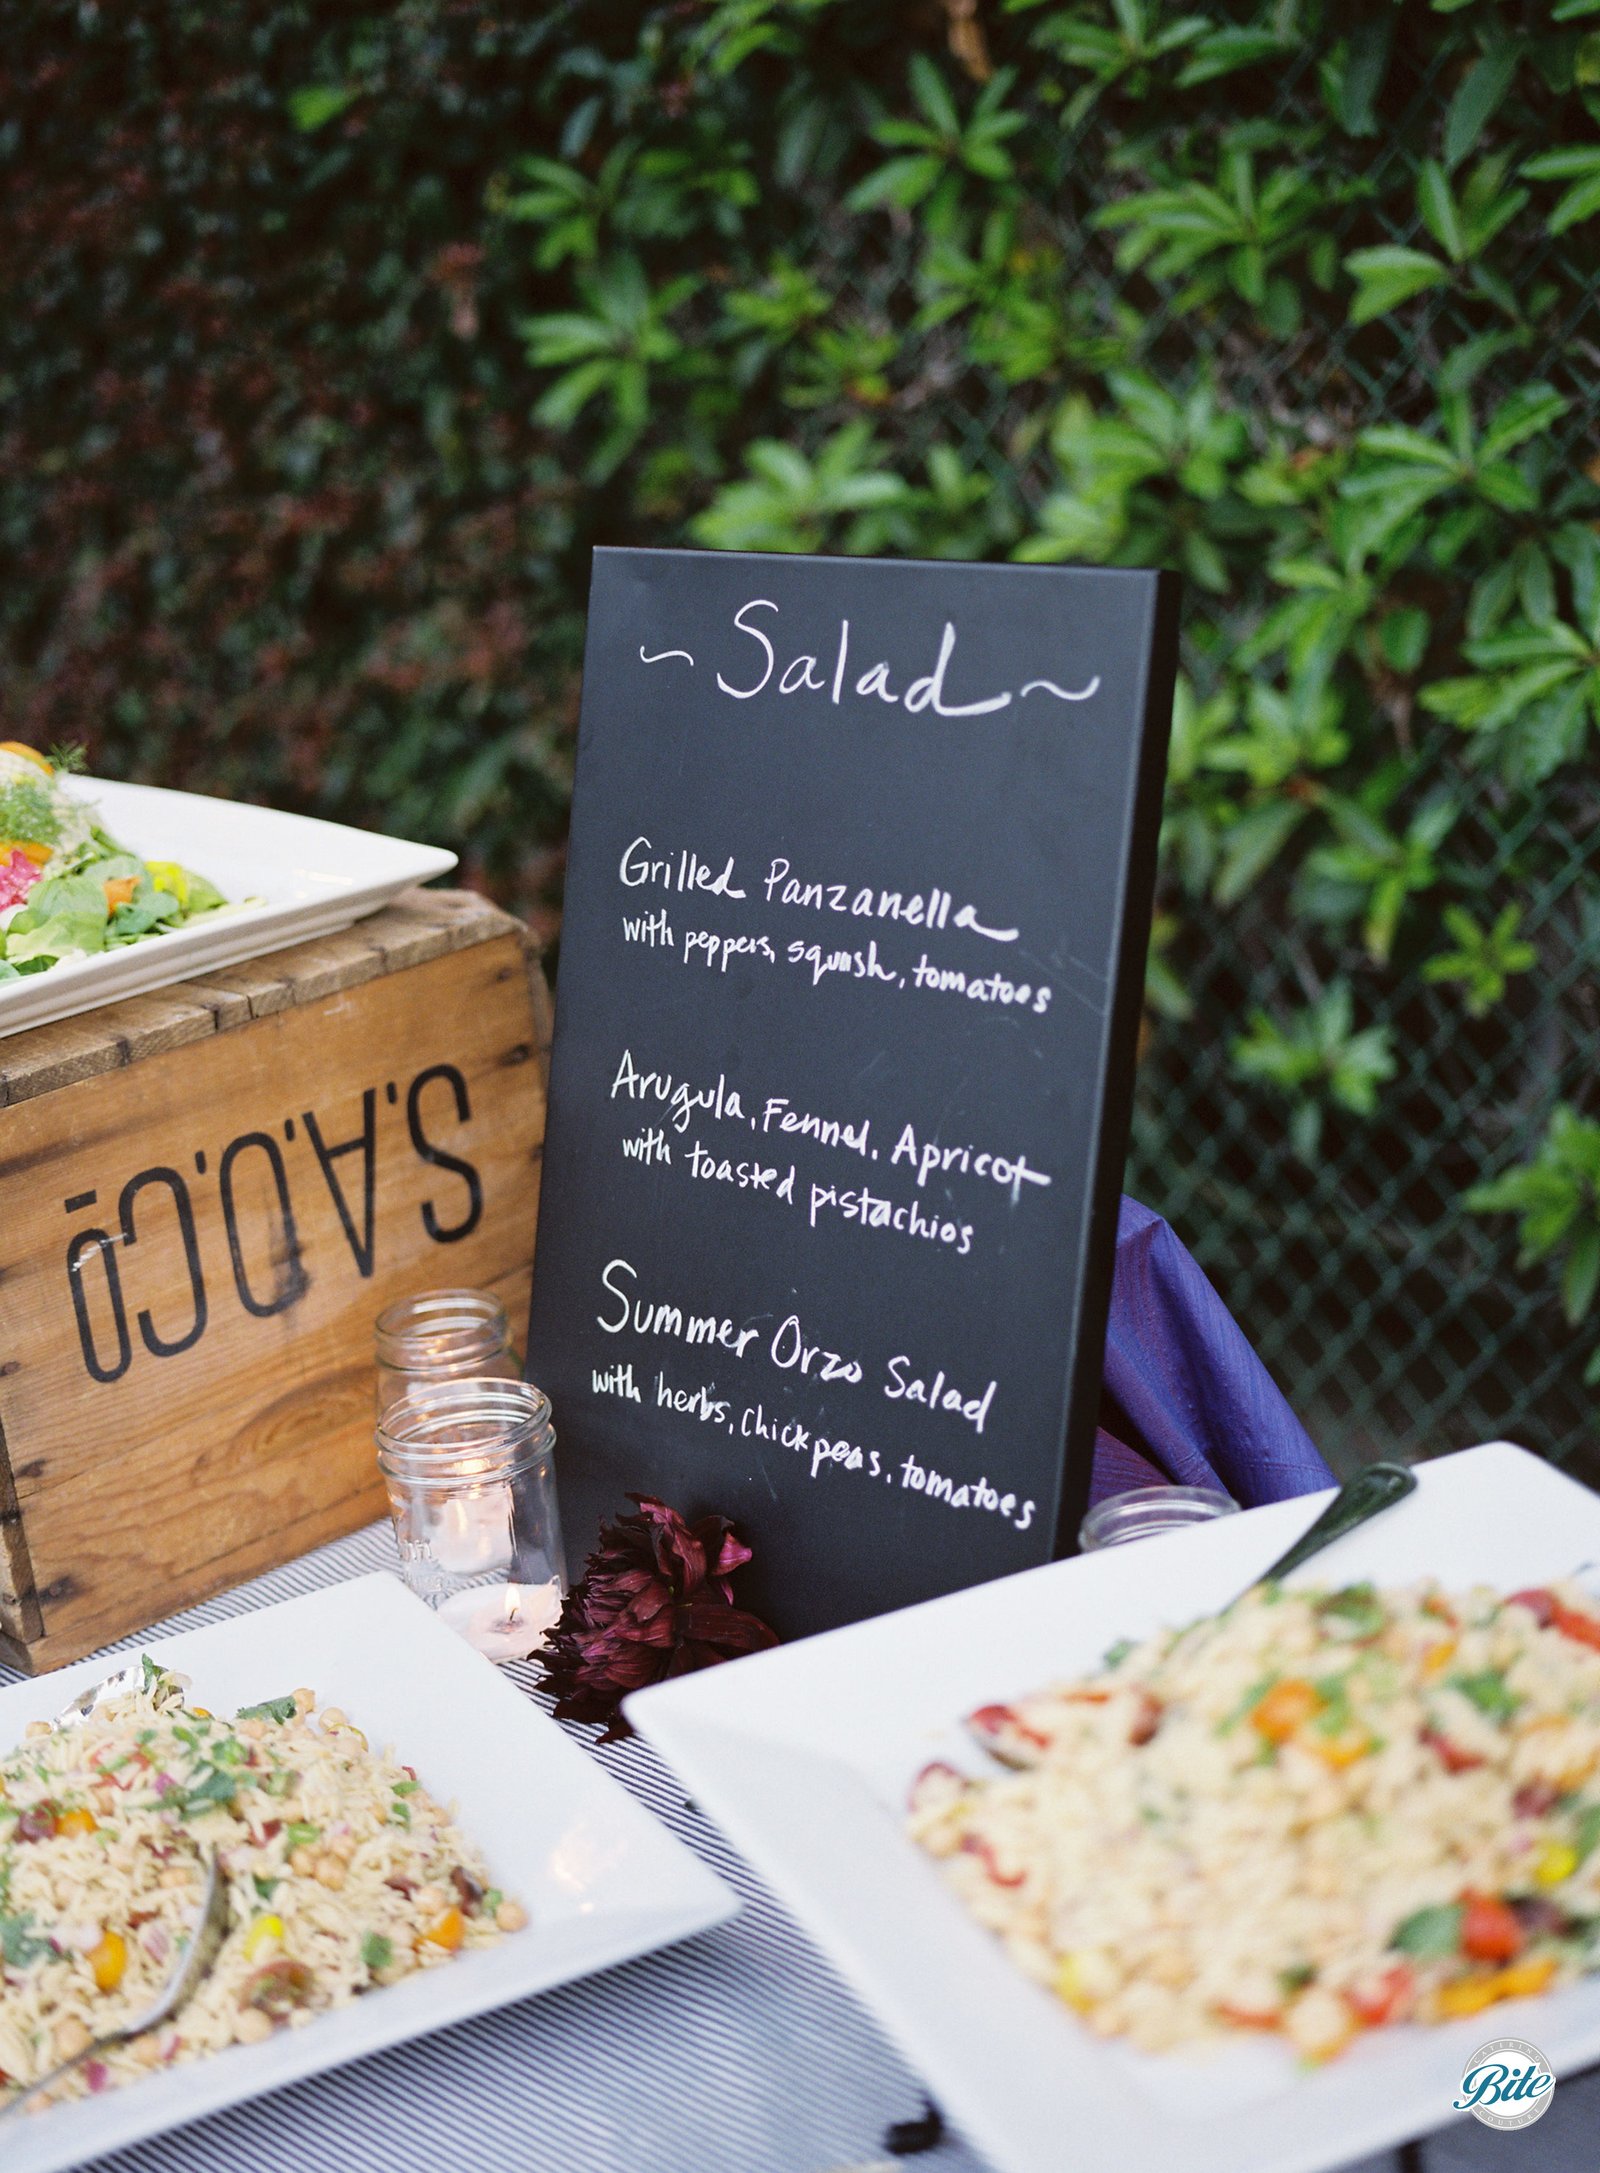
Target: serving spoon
[(193, 1966), (1365, 1496)]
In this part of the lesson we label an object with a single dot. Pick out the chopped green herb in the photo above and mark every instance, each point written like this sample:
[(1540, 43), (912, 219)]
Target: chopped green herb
[(1586, 1832), (377, 1951), (1430, 1934), (279, 1709), (1296, 1979), (1335, 1716), (1247, 1704), (300, 1833), (1118, 1653), (1357, 1608), (1487, 1691), (406, 1788), (400, 1813), (213, 1786), (18, 1942)]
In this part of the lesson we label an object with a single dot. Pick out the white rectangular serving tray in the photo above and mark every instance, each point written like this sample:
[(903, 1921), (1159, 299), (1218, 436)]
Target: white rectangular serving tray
[(312, 877), (601, 1879), (804, 1755)]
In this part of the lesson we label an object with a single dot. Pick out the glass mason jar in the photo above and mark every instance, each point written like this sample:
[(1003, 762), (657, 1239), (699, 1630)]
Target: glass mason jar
[(470, 1470), (1146, 1510), (442, 1335)]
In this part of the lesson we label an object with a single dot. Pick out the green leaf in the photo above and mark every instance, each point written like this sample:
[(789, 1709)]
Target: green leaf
[(1353, 79), (377, 1951), (1403, 637), (1438, 209), (1388, 276), (1532, 409), (1581, 1276), (902, 182), (316, 104), (1478, 97), (1251, 846), (1226, 50), (932, 94), (1578, 164)]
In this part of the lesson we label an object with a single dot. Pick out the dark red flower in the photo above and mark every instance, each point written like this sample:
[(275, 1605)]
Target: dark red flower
[(655, 1600)]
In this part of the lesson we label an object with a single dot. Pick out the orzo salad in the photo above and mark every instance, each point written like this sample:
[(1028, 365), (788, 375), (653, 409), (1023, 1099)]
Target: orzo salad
[(343, 1873), (1317, 1813)]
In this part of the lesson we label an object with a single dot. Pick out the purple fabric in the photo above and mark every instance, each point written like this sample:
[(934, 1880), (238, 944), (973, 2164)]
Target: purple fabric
[(1186, 1401)]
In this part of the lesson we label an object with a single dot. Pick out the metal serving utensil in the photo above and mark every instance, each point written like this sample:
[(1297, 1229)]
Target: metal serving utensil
[(193, 1966), (1365, 1496)]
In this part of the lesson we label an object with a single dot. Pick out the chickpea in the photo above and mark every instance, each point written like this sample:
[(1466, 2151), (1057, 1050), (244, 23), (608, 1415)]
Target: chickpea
[(35, 1729), (333, 1719), (430, 1900), (174, 1875), (72, 2039), (511, 1916), (329, 1873), (146, 2051), (304, 1701), (343, 1846), (251, 2027), (253, 1730), (302, 1863)]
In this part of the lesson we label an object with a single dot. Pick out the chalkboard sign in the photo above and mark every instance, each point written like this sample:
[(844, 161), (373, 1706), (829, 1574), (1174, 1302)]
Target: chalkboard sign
[(856, 911)]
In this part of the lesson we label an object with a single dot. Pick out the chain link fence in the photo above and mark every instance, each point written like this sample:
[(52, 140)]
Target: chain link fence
[(1397, 1322)]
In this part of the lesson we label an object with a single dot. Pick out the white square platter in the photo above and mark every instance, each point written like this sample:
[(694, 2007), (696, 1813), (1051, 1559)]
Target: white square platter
[(803, 1755), (312, 878), (601, 1879)]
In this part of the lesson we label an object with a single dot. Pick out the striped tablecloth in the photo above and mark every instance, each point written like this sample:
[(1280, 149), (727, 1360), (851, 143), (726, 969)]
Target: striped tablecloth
[(737, 2052)]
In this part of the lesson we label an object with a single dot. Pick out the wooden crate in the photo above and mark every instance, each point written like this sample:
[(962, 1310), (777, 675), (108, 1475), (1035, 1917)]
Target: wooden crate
[(207, 1195)]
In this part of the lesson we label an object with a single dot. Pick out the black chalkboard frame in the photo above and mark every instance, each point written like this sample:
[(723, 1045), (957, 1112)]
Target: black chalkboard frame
[(1110, 1150)]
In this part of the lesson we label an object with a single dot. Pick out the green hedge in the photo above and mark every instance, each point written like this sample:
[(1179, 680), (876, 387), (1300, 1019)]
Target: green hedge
[(340, 338)]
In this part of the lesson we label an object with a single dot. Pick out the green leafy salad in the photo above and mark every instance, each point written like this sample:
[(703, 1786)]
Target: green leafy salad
[(67, 890)]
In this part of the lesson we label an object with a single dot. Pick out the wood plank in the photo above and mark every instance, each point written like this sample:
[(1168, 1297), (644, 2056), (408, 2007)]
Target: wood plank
[(50, 1057), (420, 925)]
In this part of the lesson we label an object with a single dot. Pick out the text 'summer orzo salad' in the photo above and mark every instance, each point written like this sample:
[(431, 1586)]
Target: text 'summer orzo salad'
[(343, 1873), (1314, 1814)]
